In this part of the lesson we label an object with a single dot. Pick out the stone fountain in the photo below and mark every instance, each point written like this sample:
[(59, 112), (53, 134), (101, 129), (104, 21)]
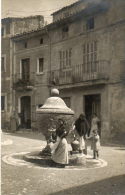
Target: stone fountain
[(49, 114), (47, 117), (47, 121)]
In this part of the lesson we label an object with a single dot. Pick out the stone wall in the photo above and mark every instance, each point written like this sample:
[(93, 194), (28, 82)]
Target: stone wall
[(13, 26), (27, 24), (117, 106), (40, 81), (6, 82)]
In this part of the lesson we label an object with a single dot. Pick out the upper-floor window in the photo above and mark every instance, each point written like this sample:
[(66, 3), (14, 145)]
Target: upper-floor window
[(40, 65), (41, 41), (90, 56), (3, 64), (25, 69), (90, 23), (3, 98), (65, 58), (65, 31)]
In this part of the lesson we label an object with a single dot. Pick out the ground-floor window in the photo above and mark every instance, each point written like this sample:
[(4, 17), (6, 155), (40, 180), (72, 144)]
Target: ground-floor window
[(67, 101), (39, 105)]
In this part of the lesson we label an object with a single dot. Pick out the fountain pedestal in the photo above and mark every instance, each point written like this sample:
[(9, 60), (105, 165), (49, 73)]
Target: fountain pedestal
[(77, 159)]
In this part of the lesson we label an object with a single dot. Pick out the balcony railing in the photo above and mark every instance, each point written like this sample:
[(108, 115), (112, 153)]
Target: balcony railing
[(81, 73), (23, 81)]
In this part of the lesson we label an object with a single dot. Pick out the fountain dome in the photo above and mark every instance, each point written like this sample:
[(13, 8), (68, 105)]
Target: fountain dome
[(55, 104)]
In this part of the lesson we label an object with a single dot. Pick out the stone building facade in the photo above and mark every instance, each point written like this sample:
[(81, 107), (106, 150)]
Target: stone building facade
[(10, 27), (83, 53)]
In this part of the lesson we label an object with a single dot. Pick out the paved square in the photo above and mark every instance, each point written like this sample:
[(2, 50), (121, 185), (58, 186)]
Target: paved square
[(34, 180)]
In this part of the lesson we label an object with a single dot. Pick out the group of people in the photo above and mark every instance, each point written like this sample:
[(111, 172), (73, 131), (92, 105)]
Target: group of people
[(86, 132), (83, 131)]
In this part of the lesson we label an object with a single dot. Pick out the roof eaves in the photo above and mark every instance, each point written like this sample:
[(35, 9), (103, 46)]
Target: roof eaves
[(21, 35), (20, 18), (66, 7), (90, 10)]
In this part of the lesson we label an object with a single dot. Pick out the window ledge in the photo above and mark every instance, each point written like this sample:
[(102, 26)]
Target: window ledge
[(39, 73), (90, 30)]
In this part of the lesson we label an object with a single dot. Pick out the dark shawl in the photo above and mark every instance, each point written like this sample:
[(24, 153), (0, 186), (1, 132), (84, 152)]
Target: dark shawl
[(82, 126)]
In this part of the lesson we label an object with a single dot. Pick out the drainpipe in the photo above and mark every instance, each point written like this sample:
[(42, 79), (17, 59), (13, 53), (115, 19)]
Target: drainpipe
[(13, 76), (12, 48), (12, 72), (50, 47)]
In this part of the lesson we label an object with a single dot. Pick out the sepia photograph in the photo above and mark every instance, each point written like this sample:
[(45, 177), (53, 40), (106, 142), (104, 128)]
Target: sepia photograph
[(63, 97)]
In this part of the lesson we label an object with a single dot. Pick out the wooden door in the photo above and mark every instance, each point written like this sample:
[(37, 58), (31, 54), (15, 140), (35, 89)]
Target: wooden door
[(26, 112)]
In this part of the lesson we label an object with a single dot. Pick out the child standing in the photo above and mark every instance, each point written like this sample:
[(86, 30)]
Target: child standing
[(95, 145)]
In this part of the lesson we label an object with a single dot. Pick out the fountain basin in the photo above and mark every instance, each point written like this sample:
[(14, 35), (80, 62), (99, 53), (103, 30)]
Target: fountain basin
[(35, 160)]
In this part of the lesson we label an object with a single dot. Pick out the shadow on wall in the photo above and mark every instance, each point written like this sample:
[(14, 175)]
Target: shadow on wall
[(110, 186)]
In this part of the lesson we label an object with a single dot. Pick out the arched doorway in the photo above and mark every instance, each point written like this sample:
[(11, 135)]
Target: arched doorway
[(25, 115)]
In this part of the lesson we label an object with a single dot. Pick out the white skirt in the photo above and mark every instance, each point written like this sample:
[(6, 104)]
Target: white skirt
[(81, 143)]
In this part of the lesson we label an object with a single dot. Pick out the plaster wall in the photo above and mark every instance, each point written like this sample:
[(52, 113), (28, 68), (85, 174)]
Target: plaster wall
[(6, 81), (40, 90)]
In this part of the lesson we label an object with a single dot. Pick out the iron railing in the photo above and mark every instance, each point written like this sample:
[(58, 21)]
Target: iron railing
[(79, 73), (23, 80)]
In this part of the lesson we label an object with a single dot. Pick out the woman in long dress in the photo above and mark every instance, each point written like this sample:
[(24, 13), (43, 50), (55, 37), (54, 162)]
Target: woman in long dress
[(60, 148)]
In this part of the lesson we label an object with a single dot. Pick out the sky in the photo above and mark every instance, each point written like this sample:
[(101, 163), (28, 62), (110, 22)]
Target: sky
[(23, 8)]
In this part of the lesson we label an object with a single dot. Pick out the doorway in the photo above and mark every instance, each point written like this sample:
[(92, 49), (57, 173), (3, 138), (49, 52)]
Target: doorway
[(92, 105), (25, 116)]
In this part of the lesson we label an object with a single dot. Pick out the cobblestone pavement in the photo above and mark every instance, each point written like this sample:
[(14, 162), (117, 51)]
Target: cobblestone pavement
[(22, 180)]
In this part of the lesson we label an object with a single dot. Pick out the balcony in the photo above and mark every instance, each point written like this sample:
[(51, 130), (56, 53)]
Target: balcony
[(24, 82), (94, 71)]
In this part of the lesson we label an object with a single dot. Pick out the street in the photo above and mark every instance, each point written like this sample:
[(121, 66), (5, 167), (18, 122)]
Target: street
[(19, 179)]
